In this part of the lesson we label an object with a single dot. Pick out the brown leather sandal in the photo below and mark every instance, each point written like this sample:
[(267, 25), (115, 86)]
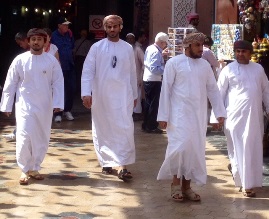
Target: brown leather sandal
[(24, 179), (35, 175), (249, 193), (191, 195), (125, 175), (107, 170), (176, 193)]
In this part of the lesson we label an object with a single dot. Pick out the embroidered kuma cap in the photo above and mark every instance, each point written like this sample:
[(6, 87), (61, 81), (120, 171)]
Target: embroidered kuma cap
[(243, 44)]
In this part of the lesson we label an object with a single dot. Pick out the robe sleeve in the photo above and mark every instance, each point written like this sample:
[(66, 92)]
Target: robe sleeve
[(140, 59), (57, 86), (214, 96), (167, 83), (133, 76), (88, 72), (210, 57), (10, 87), (265, 92), (223, 84)]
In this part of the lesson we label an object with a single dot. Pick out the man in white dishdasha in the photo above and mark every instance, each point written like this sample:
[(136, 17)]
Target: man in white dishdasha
[(188, 81), (244, 89), (37, 80), (109, 88)]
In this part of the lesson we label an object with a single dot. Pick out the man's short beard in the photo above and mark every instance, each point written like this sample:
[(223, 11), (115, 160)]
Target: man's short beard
[(37, 50), (194, 56)]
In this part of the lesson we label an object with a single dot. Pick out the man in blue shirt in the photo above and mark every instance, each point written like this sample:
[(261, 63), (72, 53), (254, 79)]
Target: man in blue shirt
[(64, 40), (152, 81)]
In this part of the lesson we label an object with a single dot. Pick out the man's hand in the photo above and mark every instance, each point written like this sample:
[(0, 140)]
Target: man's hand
[(139, 83), (87, 101), (220, 120), (163, 124), (7, 113), (56, 110), (165, 52), (135, 102)]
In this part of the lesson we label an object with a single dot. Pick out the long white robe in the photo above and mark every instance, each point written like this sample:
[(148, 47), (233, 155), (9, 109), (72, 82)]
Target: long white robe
[(139, 61), (113, 92), (243, 88), (38, 83), (186, 85)]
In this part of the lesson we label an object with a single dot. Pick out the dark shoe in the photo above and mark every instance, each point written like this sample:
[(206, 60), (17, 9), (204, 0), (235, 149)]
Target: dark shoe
[(107, 170), (143, 128), (137, 116), (125, 175), (155, 131)]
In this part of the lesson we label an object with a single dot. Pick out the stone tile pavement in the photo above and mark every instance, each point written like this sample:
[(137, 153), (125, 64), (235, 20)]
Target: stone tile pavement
[(75, 188)]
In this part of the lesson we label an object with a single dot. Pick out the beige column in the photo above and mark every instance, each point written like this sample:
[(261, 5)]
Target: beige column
[(160, 17)]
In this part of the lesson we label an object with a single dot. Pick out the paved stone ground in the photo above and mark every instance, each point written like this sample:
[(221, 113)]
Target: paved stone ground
[(75, 188)]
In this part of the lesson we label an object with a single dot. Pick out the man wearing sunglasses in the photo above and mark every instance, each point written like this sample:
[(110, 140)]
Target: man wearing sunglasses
[(109, 88)]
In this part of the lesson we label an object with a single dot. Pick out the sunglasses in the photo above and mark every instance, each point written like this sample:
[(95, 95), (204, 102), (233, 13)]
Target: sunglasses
[(114, 61)]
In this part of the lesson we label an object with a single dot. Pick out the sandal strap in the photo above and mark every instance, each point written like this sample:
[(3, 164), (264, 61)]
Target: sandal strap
[(175, 190), (124, 174), (249, 193), (191, 195), (33, 173), (107, 170), (125, 171), (24, 175)]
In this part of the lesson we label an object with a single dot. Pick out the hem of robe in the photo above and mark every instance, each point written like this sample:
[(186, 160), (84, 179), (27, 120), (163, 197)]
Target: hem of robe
[(249, 186), (165, 173), (25, 170), (116, 165)]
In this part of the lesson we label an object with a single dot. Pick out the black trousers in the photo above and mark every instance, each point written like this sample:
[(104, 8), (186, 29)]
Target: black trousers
[(79, 61), (69, 90), (152, 96)]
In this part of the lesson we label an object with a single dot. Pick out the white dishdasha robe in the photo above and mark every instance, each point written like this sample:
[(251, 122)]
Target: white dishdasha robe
[(243, 88), (37, 81), (139, 61), (113, 92), (187, 83)]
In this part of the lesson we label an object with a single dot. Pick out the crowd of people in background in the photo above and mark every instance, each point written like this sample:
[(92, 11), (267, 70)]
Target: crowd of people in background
[(121, 82)]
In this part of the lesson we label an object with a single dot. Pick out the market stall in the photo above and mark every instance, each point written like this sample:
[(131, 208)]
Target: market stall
[(176, 36), (224, 35)]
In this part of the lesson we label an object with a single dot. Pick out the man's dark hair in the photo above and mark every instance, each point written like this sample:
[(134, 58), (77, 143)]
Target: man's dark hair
[(139, 34), (208, 41), (21, 36), (48, 31)]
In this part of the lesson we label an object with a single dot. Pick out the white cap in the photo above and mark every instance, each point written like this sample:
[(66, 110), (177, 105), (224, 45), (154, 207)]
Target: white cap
[(130, 34), (162, 37)]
